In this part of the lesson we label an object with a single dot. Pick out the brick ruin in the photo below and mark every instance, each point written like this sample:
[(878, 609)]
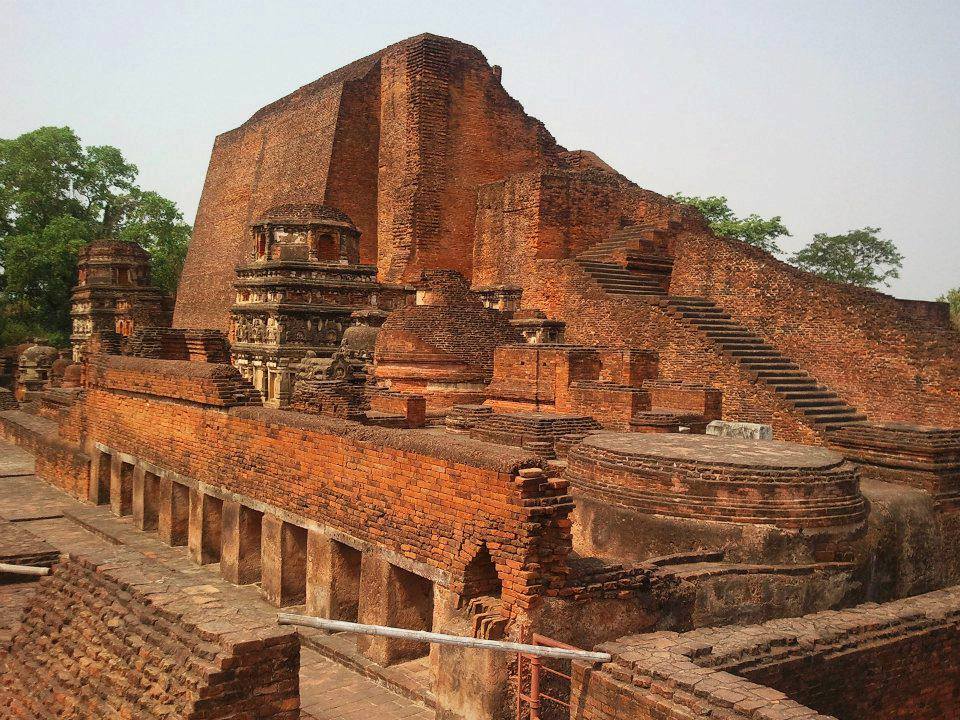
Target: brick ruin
[(429, 369), (113, 293)]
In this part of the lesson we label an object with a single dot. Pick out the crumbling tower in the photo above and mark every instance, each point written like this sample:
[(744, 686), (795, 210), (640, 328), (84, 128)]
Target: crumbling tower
[(114, 292)]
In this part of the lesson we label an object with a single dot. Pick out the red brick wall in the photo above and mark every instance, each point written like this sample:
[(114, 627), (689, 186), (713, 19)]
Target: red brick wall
[(868, 347), (92, 645), (896, 661), (432, 499)]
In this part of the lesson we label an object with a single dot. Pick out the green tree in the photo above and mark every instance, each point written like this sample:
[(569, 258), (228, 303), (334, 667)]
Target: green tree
[(859, 257), (56, 196), (752, 229), (952, 298)]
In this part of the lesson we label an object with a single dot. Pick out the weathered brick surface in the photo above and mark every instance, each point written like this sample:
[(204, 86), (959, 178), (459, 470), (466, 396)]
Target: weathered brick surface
[(432, 498), (108, 637), (399, 140), (786, 485), (891, 359), (21, 547), (885, 662)]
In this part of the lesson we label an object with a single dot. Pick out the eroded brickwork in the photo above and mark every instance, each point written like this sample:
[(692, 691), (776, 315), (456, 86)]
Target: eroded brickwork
[(400, 141), (429, 498), (101, 638), (890, 662)]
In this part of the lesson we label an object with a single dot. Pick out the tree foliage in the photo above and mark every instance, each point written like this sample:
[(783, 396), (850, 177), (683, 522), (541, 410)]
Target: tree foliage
[(859, 257), (952, 298), (753, 229), (55, 197)]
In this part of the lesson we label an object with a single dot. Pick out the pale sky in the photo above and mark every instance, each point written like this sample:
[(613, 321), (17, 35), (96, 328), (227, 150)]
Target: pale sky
[(835, 115)]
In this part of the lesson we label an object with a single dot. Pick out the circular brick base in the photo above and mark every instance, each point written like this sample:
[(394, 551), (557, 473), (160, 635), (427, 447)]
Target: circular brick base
[(729, 480)]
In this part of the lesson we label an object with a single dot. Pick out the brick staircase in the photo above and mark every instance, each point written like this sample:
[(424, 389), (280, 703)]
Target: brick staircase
[(617, 280), (814, 403), (621, 269)]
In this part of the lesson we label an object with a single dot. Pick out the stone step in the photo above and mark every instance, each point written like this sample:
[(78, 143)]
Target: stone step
[(769, 365), (644, 293), (842, 409), (755, 351), (827, 400), (831, 422), (781, 387), (817, 393), (778, 374)]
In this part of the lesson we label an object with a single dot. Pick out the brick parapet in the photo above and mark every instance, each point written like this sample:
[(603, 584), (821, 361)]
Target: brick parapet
[(891, 359), (924, 457), (211, 384)]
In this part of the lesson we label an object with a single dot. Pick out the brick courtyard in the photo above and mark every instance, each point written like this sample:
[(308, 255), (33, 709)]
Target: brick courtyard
[(327, 689)]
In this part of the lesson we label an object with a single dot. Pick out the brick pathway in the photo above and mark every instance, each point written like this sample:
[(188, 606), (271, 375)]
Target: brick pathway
[(327, 689)]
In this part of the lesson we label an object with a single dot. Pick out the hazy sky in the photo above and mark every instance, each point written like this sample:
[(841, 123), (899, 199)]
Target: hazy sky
[(835, 115)]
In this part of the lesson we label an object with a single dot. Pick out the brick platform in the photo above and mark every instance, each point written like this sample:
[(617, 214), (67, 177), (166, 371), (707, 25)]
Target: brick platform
[(740, 481)]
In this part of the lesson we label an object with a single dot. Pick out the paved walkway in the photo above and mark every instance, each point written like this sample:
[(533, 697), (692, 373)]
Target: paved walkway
[(327, 689)]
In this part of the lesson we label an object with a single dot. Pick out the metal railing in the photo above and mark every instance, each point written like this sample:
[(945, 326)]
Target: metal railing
[(557, 650), (532, 701), (23, 569)]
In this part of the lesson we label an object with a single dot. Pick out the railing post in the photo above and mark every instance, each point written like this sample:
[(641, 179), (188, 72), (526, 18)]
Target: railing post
[(535, 688)]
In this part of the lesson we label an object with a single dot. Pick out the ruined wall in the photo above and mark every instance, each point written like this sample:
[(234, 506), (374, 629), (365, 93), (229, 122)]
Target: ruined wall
[(400, 141), (874, 662), (880, 354), (102, 639), (557, 214), (432, 499), (889, 358)]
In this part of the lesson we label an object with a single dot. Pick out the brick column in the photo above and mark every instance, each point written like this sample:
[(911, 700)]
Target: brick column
[(283, 567), (205, 527), (146, 499), (333, 578), (121, 487), (394, 597), (100, 473), (240, 558), (173, 521)]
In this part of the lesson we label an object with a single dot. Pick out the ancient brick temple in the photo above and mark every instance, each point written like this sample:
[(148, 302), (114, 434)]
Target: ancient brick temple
[(481, 385), (113, 292), (296, 292)]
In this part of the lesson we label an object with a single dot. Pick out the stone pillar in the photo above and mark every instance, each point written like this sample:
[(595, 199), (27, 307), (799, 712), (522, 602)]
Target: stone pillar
[(240, 559), (121, 487), (397, 598), (283, 563), (470, 682), (100, 473), (146, 499), (333, 578), (173, 521), (206, 525)]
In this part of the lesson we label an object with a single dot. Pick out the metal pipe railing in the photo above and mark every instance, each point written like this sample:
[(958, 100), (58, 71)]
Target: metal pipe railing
[(23, 569), (441, 639)]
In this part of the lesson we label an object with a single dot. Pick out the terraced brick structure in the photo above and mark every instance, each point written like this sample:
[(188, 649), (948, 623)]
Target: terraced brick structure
[(510, 447)]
